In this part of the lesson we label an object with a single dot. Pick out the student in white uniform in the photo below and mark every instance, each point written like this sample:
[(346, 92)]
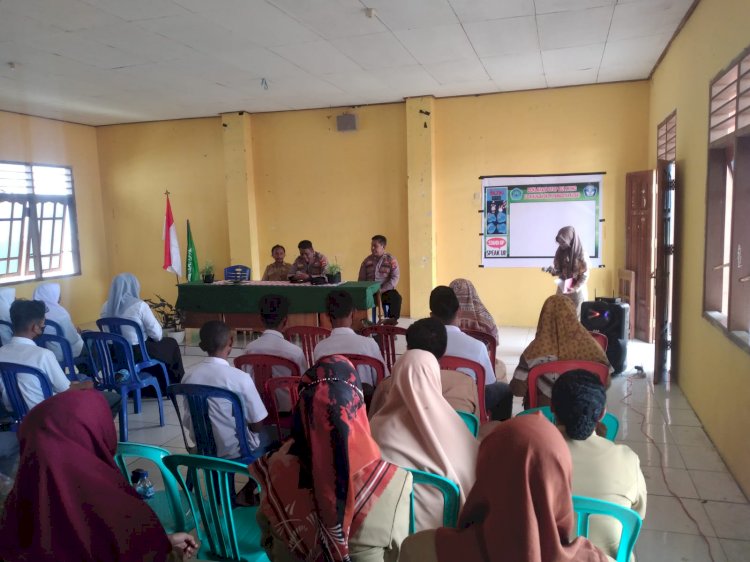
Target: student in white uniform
[(601, 468), (498, 398), (28, 322), (216, 339), (273, 313), (49, 293), (7, 296), (343, 339)]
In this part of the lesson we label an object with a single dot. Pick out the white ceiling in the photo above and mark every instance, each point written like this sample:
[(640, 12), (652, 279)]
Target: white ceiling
[(116, 61)]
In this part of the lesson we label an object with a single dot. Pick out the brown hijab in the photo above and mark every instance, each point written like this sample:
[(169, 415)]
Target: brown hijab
[(571, 261), (472, 314), (528, 517)]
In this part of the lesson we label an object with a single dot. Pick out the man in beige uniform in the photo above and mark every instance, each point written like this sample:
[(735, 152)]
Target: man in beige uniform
[(601, 468)]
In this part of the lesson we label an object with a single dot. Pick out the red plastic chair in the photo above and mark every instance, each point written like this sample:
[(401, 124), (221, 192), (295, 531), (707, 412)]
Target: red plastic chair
[(262, 366), (488, 340), (386, 338), (561, 367), (357, 360), (601, 339), (451, 363), (309, 336), (290, 384)]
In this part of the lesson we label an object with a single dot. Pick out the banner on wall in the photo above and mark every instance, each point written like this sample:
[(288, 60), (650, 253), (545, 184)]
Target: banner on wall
[(522, 215)]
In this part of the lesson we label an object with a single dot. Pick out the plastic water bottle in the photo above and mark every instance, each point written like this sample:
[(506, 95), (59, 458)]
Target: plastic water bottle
[(143, 485)]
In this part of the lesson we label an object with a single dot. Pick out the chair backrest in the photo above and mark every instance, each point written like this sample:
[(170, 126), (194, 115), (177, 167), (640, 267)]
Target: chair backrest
[(447, 487), (9, 373), (609, 421), (451, 363), (115, 325), (288, 384), (308, 337), (155, 455), (53, 343), (471, 421), (196, 396), (210, 496), (358, 360), (601, 339), (487, 339), (54, 328), (262, 366), (630, 520), (385, 335), (237, 273), (560, 367), (102, 347)]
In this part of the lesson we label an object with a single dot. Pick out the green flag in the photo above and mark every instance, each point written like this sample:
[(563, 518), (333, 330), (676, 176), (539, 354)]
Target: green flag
[(191, 260)]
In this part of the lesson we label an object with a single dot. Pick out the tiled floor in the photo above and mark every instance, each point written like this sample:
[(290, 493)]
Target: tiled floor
[(696, 511)]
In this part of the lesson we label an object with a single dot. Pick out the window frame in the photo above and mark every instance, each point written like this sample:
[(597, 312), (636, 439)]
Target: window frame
[(33, 228)]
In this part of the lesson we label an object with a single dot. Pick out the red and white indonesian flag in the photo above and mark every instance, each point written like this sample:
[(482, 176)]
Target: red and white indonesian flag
[(172, 259)]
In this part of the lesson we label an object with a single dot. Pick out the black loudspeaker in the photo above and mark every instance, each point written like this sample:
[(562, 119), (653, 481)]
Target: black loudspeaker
[(612, 318)]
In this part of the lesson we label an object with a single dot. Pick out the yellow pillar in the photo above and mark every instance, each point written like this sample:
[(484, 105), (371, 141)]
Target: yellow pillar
[(239, 183), (420, 169)]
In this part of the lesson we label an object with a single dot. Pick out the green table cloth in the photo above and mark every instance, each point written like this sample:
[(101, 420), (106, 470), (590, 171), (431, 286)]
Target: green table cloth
[(227, 298)]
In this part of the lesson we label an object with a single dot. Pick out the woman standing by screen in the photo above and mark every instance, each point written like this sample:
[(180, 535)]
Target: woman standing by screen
[(571, 267)]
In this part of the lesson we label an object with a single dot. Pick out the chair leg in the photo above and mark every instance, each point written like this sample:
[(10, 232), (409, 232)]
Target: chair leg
[(159, 402), (137, 401), (124, 416)]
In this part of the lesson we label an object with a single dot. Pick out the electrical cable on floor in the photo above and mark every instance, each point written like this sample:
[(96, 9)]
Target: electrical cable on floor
[(628, 393)]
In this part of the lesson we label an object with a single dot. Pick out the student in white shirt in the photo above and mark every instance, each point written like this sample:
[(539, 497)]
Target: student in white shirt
[(601, 468), (49, 293), (498, 398), (273, 313), (343, 339), (216, 339), (28, 322), (7, 296)]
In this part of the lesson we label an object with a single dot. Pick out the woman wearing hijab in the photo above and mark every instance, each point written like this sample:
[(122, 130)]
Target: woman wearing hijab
[(327, 495), (7, 296), (70, 502), (559, 337), (417, 428), (125, 302), (571, 267), (49, 293), (472, 314), (521, 507)]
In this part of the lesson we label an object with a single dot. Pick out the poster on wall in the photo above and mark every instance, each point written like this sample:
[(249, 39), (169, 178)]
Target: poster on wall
[(522, 215)]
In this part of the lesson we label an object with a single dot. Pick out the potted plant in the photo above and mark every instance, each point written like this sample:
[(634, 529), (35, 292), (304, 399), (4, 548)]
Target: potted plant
[(170, 318), (207, 272), (333, 273)]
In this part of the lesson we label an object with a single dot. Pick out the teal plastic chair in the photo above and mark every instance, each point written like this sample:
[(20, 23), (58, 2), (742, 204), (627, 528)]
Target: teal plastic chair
[(630, 520), (609, 420), (471, 421), (171, 506), (447, 487), (225, 533)]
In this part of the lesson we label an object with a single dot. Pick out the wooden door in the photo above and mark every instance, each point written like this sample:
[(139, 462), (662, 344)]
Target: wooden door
[(639, 250), (664, 235)]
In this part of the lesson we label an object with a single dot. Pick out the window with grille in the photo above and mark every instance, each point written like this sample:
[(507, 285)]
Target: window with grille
[(666, 138), (38, 229), (726, 294)]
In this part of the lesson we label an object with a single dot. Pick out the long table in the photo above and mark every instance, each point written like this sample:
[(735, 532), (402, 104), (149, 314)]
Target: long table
[(237, 303)]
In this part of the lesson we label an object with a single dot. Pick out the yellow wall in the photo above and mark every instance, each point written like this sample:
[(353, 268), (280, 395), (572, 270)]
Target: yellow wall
[(32, 139), (715, 380), (336, 189), (580, 129), (138, 163)]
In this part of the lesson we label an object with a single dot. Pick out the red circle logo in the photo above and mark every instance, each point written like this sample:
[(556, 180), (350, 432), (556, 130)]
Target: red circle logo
[(496, 242)]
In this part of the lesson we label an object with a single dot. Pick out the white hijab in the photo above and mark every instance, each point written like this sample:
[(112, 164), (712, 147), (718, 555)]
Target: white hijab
[(7, 296), (123, 293), (49, 293)]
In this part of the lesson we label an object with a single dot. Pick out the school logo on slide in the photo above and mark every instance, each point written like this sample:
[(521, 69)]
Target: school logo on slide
[(496, 247), (516, 194), (589, 190)]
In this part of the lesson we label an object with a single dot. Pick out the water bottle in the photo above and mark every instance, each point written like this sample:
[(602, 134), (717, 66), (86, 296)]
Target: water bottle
[(143, 485)]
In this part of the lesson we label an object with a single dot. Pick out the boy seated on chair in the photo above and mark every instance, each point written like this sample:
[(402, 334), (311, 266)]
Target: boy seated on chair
[(601, 468), (216, 339), (28, 318)]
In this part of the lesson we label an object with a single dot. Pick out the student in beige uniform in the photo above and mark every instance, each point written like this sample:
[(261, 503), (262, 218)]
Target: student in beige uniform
[(601, 468)]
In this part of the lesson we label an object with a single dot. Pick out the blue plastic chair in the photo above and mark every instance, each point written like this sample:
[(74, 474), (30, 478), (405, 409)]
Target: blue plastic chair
[(471, 421), (102, 346), (447, 487), (171, 505), (630, 520), (609, 420), (197, 397), (53, 343), (9, 373), (237, 273), (115, 326), (225, 532)]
